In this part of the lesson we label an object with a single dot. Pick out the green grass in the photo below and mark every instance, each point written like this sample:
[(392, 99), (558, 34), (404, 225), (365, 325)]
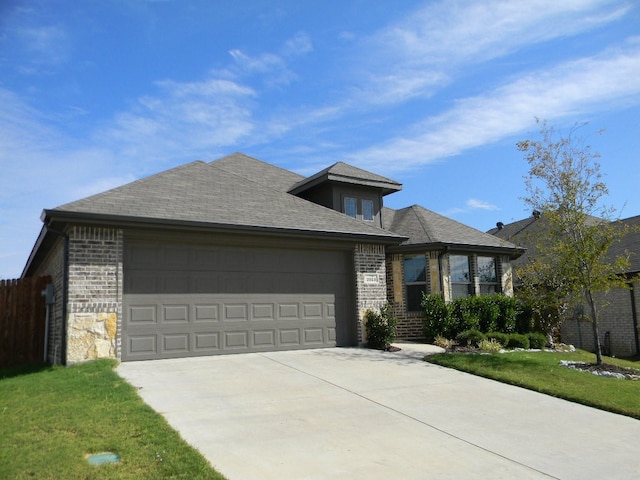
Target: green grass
[(542, 372), (51, 418)]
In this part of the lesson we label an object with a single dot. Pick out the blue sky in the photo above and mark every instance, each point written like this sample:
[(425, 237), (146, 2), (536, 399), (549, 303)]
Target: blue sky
[(434, 94)]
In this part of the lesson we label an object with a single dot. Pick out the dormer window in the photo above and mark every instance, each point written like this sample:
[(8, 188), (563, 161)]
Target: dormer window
[(367, 210), (359, 208), (351, 207)]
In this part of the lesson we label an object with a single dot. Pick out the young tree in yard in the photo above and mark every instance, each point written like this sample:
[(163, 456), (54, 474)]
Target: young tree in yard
[(565, 185)]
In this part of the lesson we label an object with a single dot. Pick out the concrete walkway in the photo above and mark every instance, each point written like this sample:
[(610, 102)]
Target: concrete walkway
[(362, 414)]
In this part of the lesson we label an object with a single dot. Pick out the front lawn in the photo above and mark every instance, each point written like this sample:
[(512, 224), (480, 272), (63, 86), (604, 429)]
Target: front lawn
[(52, 418), (542, 372)]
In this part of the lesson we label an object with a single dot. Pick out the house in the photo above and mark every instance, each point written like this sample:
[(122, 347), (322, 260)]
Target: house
[(618, 322), (238, 255)]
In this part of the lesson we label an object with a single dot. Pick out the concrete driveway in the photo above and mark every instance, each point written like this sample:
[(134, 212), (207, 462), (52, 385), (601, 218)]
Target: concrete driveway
[(362, 414)]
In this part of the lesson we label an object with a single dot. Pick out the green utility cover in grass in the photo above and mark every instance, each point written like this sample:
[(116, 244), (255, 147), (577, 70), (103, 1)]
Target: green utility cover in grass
[(103, 458)]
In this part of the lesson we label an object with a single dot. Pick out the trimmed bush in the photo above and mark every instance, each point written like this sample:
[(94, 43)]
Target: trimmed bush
[(486, 313), (465, 314), (537, 340), (501, 338), (437, 321), (489, 312), (380, 325), (507, 318), (517, 340), (470, 337)]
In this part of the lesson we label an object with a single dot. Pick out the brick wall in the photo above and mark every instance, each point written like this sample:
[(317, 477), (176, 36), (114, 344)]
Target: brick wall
[(616, 317), (371, 283), (95, 293), (53, 265), (409, 323)]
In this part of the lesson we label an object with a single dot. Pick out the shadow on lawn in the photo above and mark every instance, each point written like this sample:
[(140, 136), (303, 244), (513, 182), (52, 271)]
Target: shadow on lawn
[(10, 372)]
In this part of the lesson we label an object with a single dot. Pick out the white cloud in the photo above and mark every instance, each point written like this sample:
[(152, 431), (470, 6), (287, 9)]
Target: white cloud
[(274, 67), (297, 45), (183, 120), (475, 204), (609, 80), (429, 46)]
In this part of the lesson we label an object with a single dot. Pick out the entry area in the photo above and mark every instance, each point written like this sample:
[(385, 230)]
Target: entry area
[(186, 298)]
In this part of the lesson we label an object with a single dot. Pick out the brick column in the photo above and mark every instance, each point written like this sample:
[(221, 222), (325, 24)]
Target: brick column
[(371, 282), (94, 308)]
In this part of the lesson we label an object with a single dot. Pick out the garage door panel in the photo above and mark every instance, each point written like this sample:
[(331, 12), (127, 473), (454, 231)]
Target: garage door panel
[(206, 343), (206, 313), (175, 343), (206, 324), (193, 299)]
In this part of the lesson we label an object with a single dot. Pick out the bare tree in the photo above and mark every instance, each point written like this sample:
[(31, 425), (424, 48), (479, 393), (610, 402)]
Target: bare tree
[(565, 184)]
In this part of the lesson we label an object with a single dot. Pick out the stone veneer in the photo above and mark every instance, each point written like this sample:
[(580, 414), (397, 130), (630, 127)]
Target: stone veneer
[(371, 283), (94, 308)]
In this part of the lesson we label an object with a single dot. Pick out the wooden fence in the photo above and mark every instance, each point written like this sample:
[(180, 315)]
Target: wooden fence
[(22, 321)]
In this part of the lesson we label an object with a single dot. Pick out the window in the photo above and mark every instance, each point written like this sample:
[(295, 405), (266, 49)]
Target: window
[(351, 207), (460, 276), (415, 280), (367, 210), (488, 275)]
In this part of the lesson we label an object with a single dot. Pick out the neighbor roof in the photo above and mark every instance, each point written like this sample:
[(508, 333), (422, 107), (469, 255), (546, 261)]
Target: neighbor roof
[(529, 231), (209, 194), (424, 227), (344, 173)]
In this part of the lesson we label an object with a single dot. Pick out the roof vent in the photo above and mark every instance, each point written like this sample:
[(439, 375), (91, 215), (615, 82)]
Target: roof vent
[(500, 225), (536, 214)]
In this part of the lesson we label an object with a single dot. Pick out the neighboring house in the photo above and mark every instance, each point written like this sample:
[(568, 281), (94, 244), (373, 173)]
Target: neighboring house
[(238, 255), (619, 308)]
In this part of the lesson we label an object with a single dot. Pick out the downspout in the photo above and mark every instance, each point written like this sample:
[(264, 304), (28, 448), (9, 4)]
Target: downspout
[(65, 291), (634, 316)]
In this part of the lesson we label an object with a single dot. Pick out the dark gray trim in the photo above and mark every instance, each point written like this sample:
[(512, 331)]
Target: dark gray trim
[(455, 248), (130, 221)]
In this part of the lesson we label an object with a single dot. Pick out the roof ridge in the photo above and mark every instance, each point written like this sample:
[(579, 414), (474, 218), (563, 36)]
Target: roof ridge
[(184, 166), (421, 220)]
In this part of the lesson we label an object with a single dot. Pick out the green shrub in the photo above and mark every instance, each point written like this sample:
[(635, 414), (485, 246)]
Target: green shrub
[(380, 325), (537, 340), (490, 345), (464, 314), (524, 318), (489, 312), (470, 337), (486, 313), (517, 340), (437, 322), (508, 308), (501, 338)]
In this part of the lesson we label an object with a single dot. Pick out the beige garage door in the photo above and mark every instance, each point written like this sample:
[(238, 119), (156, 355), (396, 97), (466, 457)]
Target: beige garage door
[(191, 299)]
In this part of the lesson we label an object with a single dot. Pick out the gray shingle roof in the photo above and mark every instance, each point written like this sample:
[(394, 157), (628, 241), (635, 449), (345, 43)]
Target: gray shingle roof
[(344, 173), (424, 227), (209, 194), (530, 231), (259, 171)]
